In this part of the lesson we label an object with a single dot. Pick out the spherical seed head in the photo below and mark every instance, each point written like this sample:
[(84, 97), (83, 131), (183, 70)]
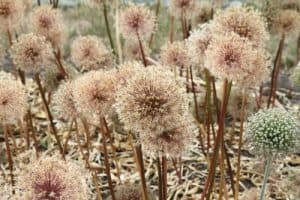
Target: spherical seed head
[(11, 13), (48, 22), (234, 58), (295, 77), (234, 107), (185, 8), (245, 22), (130, 192), (204, 12), (273, 130), (198, 43), (63, 101), (151, 99), (287, 22), (173, 141), (89, 53), (94, 92), (132, 50), (175, 54), (51, 178), (137, 20), (13, 101), (31, 53)]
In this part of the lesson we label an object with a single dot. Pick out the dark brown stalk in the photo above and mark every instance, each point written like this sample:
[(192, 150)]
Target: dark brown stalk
[(160, 182), (50, 117), (57, 55), (275, 72), (219, 138), (38, 2), (141, 49), (196, 109), (86, 159), (156, 14), (183, 25), (229, 170), (178, 172), (171, 31), (106, 159), (164, 174), (68, 137), (238, 171), (108, 27), (298, 49), (9, 155), (139, 154), (208, 107)]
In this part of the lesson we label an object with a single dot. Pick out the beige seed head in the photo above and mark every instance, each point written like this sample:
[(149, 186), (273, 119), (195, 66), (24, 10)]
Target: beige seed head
[(152, 99), (172, 141), (245, 22), (287, 22), (13, 100), (204, 12), (52, 178), (175, 54), (94, 92), (48, 22), (137, 20), (31, 53), (11, 13), (89, 53)]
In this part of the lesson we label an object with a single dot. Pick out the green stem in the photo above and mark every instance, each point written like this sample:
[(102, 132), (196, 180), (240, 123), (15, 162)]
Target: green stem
[(107, 27), (266, 176)]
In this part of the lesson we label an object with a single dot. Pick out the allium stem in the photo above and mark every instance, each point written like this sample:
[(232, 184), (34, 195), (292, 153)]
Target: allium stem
[(35, 141), (275, 72), (164, 175), (171, 32), (8, 153), (142, 49), (88, 135), (160, 184), (68, 137), (118, 40), (50, 117), (238, 171), (208, 107), (156, 14), (178, 171), (57, 55), (266, 176), (106, 159), (183, 25), (218, 142), (107, 27)]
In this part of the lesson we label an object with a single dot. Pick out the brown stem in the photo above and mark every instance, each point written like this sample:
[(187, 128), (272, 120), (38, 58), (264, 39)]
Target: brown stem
[(165, 180), (8, 153), (183, 25), (141, 49), (57, 55), (108, 27), (171, 31), (106, 159), (178, 172), (219, 138), (68, 137), (139, 154), (275, 72), (238, 171), (160, 182), (156, 14), (50, 117), (88, 136)]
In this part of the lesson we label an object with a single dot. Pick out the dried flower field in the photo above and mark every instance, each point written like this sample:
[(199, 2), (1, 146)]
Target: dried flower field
[(161, 100)]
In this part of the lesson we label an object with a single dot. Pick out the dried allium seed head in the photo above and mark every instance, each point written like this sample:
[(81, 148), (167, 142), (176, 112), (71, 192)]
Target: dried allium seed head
[(295, 77), (287, 22), (94, 93), (48, 22), (235, 103), (63, 101), (204, 12), (137, 20), (31, 53), (152, 99), (132, 50), (13, 101), (126, 71), (173, 141), (51, 178), (175, 54), (198, 43), (183, 8), (234, 58), (11, 13), (89, 53), (273, 130), (290, 4), (130, 192), (245, 22)]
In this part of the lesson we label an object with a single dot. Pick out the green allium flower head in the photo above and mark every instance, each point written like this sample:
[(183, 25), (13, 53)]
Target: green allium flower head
[(273, 130)]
